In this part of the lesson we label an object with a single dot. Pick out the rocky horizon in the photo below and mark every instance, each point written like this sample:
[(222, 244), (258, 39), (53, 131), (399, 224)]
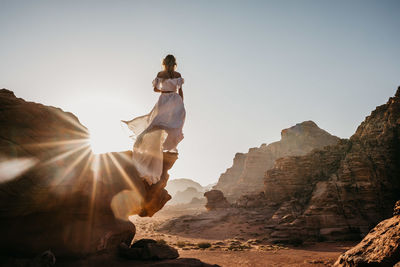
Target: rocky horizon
[(340, 191), (335, 193), (246, 176)]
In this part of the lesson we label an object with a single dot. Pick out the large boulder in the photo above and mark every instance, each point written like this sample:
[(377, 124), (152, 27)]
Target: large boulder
[(216, 200), (381, 247), (56, 194), (148, 249), (246, 176)]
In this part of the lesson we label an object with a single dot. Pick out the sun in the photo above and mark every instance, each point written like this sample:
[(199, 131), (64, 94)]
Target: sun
[(99, 144), (108, 138)]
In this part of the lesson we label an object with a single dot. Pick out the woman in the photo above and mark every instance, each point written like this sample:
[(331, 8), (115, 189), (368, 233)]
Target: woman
[(161, 129)]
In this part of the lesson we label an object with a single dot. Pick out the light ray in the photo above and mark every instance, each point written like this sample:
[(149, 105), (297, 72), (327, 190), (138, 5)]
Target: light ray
[(10, 169), (58, 143), (106, 164), (68, 118), (66, 154), (84, 134), (60, 178), (126, 157), (124, 175), (93, 195), (85, 168)]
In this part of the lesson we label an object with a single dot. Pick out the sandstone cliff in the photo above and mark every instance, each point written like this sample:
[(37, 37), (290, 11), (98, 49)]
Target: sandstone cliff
[(247, 172), (381, 247), (55, 193), (340, 191)]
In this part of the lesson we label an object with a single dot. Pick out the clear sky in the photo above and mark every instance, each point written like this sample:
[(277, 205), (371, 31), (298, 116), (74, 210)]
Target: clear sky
[(251, 68)]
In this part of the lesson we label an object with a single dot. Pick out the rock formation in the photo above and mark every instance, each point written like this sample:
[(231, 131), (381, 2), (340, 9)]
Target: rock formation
[(396, 210), (147, 249), (246, 175), (381, 247), (56, 194), (181, 184), (216, 200), (340, 191), (185, 196)]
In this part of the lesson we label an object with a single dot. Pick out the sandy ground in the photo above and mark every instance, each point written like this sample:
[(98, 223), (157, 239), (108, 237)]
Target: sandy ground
[(317, 255), (226, 248)]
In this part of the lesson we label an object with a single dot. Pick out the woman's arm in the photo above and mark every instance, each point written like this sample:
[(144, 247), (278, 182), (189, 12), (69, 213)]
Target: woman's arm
[(159, 75), (181, 92)]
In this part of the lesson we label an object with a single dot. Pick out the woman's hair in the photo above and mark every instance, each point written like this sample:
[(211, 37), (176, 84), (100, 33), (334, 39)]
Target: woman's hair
[(169, 63)]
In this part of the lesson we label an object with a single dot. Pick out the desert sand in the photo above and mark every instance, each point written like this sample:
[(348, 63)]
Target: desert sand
[(229, 249)]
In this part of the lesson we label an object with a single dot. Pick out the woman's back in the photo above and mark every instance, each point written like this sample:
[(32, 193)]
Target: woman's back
[(167, 75)]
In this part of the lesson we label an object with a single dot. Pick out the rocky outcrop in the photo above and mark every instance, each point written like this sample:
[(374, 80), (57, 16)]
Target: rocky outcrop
[(246, 175), (185, 196), (396, 208), (252, 201), (181, 184), (184, 190), (216, 200), (147, 249), (381, 247), (56, 194), (228, 180), (340, 191)]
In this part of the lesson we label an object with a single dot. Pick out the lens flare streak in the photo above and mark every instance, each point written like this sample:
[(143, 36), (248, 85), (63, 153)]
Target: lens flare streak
[(10, 169)]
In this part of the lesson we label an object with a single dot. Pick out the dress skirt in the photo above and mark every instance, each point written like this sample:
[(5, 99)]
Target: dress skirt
[(156, 132)]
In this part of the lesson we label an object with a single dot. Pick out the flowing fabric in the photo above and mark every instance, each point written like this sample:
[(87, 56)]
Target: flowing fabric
[(159, 130)]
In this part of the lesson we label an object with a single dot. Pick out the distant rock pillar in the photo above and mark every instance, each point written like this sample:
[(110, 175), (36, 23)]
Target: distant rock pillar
[(216, 200)]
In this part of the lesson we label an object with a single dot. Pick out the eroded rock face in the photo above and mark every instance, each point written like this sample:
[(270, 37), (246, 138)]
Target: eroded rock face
[(228, 180), (340, 191), (381, 247), (216, 200), (246, 176), (56, 194), (396, 208)]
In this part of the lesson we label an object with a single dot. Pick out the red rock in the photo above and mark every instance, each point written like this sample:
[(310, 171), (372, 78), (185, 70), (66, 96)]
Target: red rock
[(342, 190), (396, 208), (381, 247), (246, 176), (338, 192), (216, 200)]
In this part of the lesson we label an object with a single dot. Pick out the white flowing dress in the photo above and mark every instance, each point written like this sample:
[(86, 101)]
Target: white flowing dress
[(159, 130)]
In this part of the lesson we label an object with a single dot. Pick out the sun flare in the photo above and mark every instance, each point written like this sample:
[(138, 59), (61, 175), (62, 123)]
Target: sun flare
[(105, 139)]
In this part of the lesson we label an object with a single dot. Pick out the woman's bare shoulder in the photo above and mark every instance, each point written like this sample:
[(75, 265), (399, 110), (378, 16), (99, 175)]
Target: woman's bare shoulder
[(165, 75)]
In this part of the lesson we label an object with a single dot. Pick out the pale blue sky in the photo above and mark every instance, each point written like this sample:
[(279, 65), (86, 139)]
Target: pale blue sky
[(251, 68)]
